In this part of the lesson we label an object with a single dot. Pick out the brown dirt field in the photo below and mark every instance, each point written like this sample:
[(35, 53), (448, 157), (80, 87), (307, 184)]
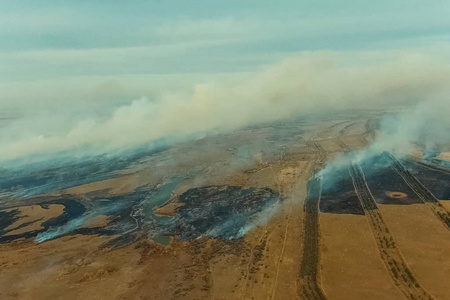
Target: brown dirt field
[(115, 186), (35, 214), (276, 273), (444, 156), (167, 210), (58, 270), (396, 195), (264, 268), (325, 129), (97, 221), (421, 238), (356, 128), (354, 142), (330, 145), (351, 265), (446, 204), (263, 264), (416, 153), (270, 268)]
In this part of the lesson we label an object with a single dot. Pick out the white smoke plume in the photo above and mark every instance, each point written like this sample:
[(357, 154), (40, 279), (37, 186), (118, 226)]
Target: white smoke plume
[(425, 127), (307, 83)]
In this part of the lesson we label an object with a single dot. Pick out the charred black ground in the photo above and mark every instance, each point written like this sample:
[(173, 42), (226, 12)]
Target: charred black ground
[(221, 211), (338, 194), (434, 179), (225, 212), (385, 183)]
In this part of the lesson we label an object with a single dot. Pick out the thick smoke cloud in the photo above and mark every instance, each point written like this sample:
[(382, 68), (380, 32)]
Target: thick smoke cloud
[(424, 127), (307, 83)]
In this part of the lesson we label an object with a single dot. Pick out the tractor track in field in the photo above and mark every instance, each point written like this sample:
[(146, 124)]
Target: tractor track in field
[(309, 277), (420, 190), (345, 129), (431, 165), (389, 253)]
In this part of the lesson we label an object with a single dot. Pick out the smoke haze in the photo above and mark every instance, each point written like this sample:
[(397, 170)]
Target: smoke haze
[(306, 83)]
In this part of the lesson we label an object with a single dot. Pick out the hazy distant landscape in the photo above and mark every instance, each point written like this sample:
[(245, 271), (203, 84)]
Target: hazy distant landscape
[(239, 150)]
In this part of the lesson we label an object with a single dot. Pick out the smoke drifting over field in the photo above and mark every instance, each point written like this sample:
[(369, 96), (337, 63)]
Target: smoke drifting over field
[(427, 125), (308, 83), (424, 126)]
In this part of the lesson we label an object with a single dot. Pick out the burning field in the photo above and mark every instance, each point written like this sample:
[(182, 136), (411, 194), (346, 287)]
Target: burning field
[(248, 150), (287, 210)]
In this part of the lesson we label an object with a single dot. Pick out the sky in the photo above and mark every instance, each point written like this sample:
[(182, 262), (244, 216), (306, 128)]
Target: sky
[(66, 63), (62, 39)]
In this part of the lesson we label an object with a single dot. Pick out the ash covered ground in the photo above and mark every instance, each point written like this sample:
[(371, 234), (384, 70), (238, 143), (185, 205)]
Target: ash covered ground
[(268, 211)]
